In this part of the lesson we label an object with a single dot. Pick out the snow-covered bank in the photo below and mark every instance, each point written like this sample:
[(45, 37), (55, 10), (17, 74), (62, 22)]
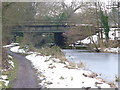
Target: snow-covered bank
[(113, 34), (55, 74)]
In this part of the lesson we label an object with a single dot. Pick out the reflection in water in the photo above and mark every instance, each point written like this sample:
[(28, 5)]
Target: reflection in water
[(102, 63)]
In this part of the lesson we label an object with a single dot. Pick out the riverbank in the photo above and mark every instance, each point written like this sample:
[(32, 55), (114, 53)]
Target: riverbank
[(102, 50), (56, 74)]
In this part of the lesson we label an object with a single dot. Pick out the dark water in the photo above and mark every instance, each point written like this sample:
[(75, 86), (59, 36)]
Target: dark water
[(105, 64)]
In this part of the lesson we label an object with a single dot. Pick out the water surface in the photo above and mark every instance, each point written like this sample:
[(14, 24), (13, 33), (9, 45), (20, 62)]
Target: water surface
[(105, 64)]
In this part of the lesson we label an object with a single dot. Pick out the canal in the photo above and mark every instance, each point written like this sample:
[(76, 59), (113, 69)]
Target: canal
[(105, 64)]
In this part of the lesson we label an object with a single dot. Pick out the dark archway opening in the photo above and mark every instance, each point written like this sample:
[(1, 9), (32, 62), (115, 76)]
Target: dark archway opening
[(59, 39)]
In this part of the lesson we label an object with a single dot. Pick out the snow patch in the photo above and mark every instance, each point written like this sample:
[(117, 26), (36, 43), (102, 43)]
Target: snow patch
[(17, 49), (116, 50), (10, 57), (11, 45), (11, 63), (88, 39), (4, 78)]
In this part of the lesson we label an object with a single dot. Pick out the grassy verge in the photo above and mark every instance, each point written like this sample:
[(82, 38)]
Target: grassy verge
[(11, 74), (2, 85)]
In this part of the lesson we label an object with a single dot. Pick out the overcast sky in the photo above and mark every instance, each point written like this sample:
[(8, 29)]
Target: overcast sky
[(106, 1)]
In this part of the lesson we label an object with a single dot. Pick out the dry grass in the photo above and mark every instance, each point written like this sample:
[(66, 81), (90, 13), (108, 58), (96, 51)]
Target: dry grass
[(112, 85), (73, 65), (103, 45), (5, 59), (81, 65), (112, 43), (54, 51)]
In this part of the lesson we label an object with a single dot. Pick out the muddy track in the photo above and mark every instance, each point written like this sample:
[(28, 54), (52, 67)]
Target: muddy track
[(26, 75)]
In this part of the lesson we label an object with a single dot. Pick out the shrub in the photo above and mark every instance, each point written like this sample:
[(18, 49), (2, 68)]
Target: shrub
[(117, 78), (19, 39)]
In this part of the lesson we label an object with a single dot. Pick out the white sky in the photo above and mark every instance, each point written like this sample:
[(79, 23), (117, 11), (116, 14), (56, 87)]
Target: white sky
[(106, 1)]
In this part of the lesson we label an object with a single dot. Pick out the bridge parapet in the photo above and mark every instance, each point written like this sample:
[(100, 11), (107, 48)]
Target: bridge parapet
[(41, 28)]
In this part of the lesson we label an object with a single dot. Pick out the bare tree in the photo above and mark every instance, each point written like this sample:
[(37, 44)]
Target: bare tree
[(15, 14)]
